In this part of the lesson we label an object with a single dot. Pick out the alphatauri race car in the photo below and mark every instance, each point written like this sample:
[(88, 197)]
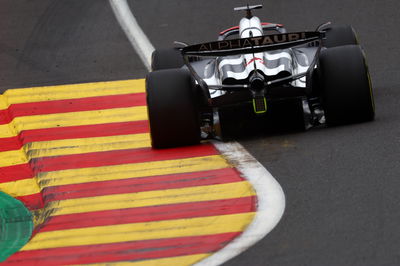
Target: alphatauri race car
[(254, 66)]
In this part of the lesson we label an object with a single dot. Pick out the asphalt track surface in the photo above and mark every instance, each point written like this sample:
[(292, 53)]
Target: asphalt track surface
[(342, 184)]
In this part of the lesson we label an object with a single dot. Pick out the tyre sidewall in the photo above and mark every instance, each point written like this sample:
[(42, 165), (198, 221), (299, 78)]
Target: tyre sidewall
[(172, 108)]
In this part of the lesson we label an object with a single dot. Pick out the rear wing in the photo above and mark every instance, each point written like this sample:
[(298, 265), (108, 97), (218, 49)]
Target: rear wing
[(252, 44)]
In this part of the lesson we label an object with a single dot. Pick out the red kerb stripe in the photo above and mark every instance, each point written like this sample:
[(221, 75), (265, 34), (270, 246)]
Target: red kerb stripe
[(132, 185), (9, 144), (15, 172), (32, 202), (87, 131), (127, 251), (148, 214), (116, 157), (71, 105), (5, 117)]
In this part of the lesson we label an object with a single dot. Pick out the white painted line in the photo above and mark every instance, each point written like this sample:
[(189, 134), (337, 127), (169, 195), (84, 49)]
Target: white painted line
[(136, 36), (270, 196), (270, 202)]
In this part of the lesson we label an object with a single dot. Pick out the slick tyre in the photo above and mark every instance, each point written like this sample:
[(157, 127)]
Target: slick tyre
[(166, 59), (172, 108), (346, 90), (339, 36)]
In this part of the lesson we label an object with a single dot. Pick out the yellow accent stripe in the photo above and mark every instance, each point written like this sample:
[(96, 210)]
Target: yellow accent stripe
[(20, 188), (181, 261), (86, 145), (115, 172), (71, 91), (151, 198), (140, 231)]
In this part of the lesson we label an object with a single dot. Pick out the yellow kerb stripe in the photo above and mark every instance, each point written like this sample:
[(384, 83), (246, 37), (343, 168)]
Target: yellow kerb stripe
[(3, 102), (105, 173), (20, 188), (81, 118), (115, 172), (7, 131), (8, 158), (72, 91), (86, 145), (73, 146), (181, 260), (73, 119), (140, 231), (151, 198)]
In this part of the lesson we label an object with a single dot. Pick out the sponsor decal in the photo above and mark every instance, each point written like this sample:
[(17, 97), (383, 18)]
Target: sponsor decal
[(258, 42), (251, 42)]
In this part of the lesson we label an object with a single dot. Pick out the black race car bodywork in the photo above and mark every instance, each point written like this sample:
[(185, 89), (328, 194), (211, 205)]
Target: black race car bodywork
[(256, 64)]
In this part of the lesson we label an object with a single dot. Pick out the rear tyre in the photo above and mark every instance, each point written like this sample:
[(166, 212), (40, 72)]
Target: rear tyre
[(166, 59), (339, 36), (346, 90), (172, 108)]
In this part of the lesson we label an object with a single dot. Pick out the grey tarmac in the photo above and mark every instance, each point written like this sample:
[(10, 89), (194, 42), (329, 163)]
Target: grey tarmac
[(342, 184)]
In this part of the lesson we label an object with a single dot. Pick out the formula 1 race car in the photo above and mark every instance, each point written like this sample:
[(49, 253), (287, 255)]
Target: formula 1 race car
[(254, 66)]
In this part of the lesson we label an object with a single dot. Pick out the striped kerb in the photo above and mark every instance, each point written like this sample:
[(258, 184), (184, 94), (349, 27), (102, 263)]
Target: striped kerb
[(79, 157)]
